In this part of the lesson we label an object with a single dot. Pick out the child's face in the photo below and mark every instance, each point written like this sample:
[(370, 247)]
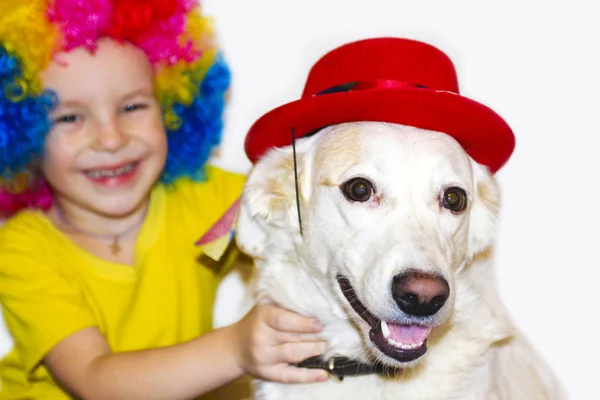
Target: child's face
[(108, 144)]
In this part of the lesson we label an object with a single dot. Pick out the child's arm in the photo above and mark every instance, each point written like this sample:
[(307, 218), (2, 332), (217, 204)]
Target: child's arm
[(262, 344)]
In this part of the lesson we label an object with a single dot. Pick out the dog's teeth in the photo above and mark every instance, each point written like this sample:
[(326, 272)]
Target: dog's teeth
[(403, 346), (385, 329)]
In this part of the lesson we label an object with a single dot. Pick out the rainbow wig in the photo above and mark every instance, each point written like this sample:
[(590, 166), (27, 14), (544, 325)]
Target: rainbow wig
[(190, 80)]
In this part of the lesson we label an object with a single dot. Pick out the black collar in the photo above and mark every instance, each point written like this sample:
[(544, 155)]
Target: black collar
[(340, 367)]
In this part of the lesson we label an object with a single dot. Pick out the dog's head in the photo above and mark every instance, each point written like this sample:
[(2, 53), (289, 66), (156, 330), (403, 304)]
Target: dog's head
[(390, 215)]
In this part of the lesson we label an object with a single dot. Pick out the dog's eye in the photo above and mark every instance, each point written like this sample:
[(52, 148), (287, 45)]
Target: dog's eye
[(455, 199), (358, 189)]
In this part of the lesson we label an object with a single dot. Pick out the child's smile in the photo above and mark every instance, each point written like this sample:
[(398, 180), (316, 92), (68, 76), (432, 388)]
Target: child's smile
[(113, 175)]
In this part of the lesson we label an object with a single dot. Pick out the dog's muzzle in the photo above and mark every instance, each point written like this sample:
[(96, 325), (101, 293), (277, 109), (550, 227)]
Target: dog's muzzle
[(402, 342)]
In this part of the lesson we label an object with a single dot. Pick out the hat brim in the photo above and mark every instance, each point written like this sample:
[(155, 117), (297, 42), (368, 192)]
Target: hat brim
[(484, 135)]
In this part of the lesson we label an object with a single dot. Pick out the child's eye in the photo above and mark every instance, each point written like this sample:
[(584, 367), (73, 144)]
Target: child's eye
[(66, 119), (135, 107)]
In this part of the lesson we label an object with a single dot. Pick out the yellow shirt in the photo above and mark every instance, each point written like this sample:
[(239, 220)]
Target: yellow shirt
[(51, 288)]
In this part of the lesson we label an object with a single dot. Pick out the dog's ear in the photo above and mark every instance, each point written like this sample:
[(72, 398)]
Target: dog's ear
[(485, 209), (268, 212)]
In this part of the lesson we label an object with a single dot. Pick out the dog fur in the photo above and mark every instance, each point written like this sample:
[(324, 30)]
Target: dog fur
[(474, 352)]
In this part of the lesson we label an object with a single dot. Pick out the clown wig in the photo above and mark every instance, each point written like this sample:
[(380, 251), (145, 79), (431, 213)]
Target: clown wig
[(190, 80)]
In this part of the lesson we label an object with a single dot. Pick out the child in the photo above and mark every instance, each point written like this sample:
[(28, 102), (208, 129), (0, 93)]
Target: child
[(108, 111)]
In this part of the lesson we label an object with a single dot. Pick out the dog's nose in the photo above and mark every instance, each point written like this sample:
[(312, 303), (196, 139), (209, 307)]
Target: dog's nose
[(420, 294)]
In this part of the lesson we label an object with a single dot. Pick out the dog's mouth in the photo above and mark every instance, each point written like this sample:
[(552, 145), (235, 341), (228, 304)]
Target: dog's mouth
[(403, 343)]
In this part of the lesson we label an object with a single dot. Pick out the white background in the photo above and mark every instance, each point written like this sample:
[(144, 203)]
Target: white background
[(537, 64)]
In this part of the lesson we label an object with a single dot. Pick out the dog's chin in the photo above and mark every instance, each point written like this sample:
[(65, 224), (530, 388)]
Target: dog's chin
[(402, 343)]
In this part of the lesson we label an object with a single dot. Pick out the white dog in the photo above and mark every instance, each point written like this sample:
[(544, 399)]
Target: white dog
[(394, 259)]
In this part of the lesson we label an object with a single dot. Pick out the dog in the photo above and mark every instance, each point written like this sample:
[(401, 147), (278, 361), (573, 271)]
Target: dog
[(390, 247)]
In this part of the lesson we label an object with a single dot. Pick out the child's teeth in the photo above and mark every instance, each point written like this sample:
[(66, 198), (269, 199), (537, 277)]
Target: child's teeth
[(109, 173)]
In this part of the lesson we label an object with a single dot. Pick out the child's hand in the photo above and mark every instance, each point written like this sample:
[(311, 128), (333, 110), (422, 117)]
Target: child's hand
[(270, 338)]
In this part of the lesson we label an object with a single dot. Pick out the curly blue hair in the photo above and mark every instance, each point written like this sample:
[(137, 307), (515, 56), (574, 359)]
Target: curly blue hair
[(201, 126)]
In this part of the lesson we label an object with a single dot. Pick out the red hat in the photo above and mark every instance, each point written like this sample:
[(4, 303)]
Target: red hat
[(387, 80)]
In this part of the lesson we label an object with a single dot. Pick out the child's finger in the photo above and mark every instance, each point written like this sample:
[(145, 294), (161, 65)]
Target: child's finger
[(295, 337), (293, 353), (291, 374), (289, 321)]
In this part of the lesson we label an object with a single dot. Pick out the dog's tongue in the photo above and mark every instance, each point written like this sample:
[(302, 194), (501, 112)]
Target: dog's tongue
[(408, 334)]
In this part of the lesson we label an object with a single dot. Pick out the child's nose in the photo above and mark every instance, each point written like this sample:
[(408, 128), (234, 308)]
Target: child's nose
[(110, 137)]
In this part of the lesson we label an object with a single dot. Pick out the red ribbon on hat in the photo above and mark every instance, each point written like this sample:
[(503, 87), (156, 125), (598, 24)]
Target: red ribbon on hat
[(376, 84)]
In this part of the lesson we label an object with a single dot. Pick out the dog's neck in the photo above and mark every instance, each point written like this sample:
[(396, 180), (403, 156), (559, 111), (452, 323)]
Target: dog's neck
[(291, 285)]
